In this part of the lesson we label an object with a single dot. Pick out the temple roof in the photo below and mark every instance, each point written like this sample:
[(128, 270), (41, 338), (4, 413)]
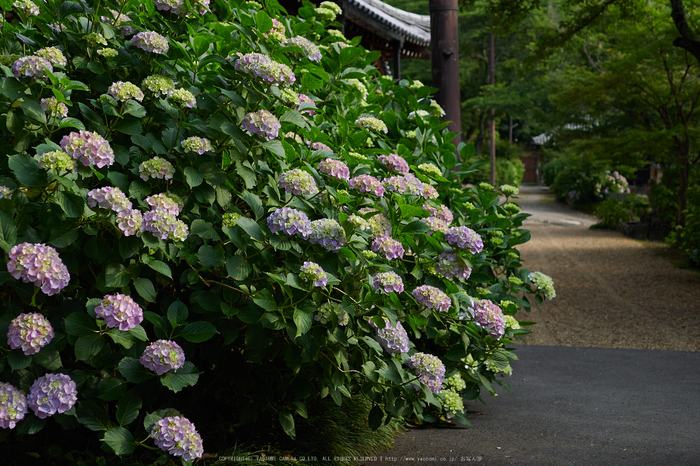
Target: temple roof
[(386, 20)]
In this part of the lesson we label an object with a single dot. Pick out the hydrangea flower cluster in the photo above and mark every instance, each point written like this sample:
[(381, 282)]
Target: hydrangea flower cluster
[(389, 247), (509, 190), (326, 310), (31, 67), (320, 146), (334, 168), (455, 382), (544, 283), (178, 436), (378, 223), (29, 332), (95, 38), (452, 403), (429, 369), (109, 198), (442, 213), (290, 97), (324, 14), (117, 18), (328, 234), (162, 219), (262, 123), (394, 162), (13, 406), (39, 264), (388, 282), (416, 84), (289, 221), (512, 322), (176, 7), (312, 272), (150, 41), (89, 148), (488, 315), (51, 394), (27, 7), (418, 114), (429, 169), (404, 184), (372, 124), (429, 192), (165, 202), (197, 144), (159, 85), (432, 298), (124, 90), (367, 184), (277, 32), (156, 167), (464, 238), (450, 265), (54, 108), (309, 49), (5, 192), (436, 109), (131, 223), (119, 311), (393, 339), (108, 52), (53, 55), (229, 219), (298, 182), (358, 86), (305, 99), (184, 98), (162, 356), (359, 222), (264, 68)]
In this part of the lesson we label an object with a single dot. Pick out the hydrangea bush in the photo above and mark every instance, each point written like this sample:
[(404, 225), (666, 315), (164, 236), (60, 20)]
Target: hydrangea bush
[(187, 212)]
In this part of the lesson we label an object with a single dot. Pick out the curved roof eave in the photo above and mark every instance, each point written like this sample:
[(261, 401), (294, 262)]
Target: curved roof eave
[(412, 27)]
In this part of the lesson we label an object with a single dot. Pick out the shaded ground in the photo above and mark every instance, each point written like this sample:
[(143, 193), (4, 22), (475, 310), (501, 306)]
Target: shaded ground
[(612, 291)]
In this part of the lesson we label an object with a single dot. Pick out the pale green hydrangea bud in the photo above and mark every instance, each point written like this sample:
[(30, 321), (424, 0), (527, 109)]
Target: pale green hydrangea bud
[(197, 144), (158, 168), (53, 55), (159, 85), (485, 187), (511, 322), (324, 14), (230, 218), (509, 307), (515, 280), (337, 34), (470, 364), (359, 222), (250, 5), (108, 52), (495, 369), (184, 97), (290, 97), (482, 292), (513, 255), (357, 156), (57, 160), (451, 402), (495, 232), (496, 241), (456, 383), (509, 190), (469, 206), (411, 134), (95, 38), (332, 6), (372, 124), (369, 255), (511, 208), (415, 85), (429, 169), (358, 86), (436, 109), (544, 283)]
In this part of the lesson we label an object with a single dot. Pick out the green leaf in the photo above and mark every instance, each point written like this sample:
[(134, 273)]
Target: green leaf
[(252, 228), (96, 67), (145, 289), (49, 359), (64, 234), (27, 171), (120, 440), (287, 423), (265, 300), (375, 418), (263, 21), (186, 376), (130, 126), (117, 276), (193, 177), (415, 227), (139, 333), (128, 408), (134, 108), (72, 204), (8, 232), (111, 388), (70, 122), (255, 204), (303, 321), (122, 338), (247, 175), (200, 45), (133, 371), (88, 345), (311, 82), (79, 324), (275, 146), (204, 230), (199, 331), (238, 268), (160, 267), (177, 313), (18, 360), (294, 117), (300, 408), (92, 416), (212, 173), (32, 109), (211, 257)]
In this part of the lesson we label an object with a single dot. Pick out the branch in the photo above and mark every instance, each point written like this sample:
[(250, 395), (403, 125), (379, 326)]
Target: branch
[(688, 40)]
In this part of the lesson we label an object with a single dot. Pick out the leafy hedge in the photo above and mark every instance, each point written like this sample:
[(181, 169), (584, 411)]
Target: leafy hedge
[(148, 160)]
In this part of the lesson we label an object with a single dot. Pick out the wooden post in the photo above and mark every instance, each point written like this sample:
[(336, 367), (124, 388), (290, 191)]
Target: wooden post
[(396, 66), (444, 50), (492, 81)]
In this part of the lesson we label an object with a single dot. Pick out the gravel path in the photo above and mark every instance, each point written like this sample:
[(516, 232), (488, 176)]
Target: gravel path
[(612, 291)]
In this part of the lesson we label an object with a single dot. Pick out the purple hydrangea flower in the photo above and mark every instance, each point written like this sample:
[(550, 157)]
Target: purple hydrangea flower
[(164, 202), (404, 184), (39, 264), (54, 108), (388, 282), (367, 184), (27, 7), (164, 225), (197, 144), (178, 436), (109, 198), (429, 369), (150, 41), (119, 311), (277, 32), (89, 148), (328, 233), (395, 163), (53, 55), (305, 99), (13, 406), (31, 67), (162, 356), (334, 168), (158, 168), (184, 98), (388, 246), (51, 394), (131, 223), (442, 213), (262, 123), (393, 339), (289, 221), (30, 332), (488, 315), (298, 182), (264, 68), (429, 192), (320, 146), (312, 272), (464, 238), (124, 90), (378, 223), (451, 265), (435, 224), (432, 298), (310, 49)]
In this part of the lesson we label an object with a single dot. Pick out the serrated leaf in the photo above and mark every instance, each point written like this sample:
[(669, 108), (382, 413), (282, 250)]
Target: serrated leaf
[(130, 126), (186, 376), (134, 108), (212, 173), (251, 227), (111, 388), (287, 423), (247, 175), (193, 177), (177, 313), (122, 338), (79, 324), (120, 440), (275, 146), (139, 333), (92, 416), (117, 276), (238, 268), (211, 257), (255, 204), (87, 346), (303, 321), (72, 204), (145, 289), (265, 300), (32, 109), (128, 408), (27, 171), (295, 118), (8, 232), (133, 371), (415, 227), (49, 359), (18, 360), (160, 267), (199, 331), (204, 230), (263, 21)]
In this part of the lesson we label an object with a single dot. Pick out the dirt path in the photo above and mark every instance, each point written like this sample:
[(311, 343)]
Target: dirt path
[(612, 291)]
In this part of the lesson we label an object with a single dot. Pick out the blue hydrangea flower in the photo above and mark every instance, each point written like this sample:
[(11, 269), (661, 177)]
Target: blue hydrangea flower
[(289, 221), (393, 339), (119, 311), (429, 369), (262, 123), (312, 272), (162, 356), (464, 238), (179, 437), (13, 406), (328, 233), (388, 282), (51, 394), (39, 264), (432, 298)]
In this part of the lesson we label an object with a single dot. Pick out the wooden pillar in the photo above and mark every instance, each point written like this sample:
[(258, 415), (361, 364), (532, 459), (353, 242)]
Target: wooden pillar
[(396, 65), (444, 50)]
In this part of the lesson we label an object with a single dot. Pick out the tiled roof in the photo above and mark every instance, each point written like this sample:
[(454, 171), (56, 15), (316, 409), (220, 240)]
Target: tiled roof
[(410, 27)]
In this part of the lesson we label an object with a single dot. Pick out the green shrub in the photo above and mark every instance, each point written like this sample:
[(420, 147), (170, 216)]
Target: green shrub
[(612, 212), (199, 199)]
